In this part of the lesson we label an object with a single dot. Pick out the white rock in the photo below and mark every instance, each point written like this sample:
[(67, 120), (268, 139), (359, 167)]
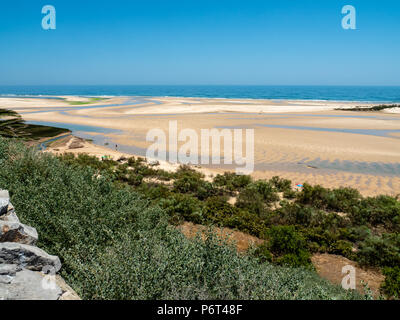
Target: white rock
[(28, 257), (29, 285), (17, 232)]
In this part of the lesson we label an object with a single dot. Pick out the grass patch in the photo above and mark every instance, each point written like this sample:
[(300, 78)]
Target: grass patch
[(89, 101)]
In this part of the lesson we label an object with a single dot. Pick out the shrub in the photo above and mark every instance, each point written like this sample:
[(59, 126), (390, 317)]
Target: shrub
[(319, 239), (300, 259), (207, 190), (154, 191), (375, 211), (187, 171), (358, 233), (293, 213), (262, 253), (282, 185), (289, 194), (246, 222), (380, 251), (391, 285), (182, 207), (343, 248), (217, 211), (285, 239), (231, 181), (187, 184), (288, 245), (195, 185), (256, 197), (339, 200), (313, 195), (252, 202), (85, 160), (191, 181), (297, 214), (114, 245)]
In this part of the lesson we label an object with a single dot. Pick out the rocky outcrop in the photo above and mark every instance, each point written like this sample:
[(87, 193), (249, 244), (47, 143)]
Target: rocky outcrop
[(28, 285), (26, 271), (28, 257), (10, 215), (17, 232)]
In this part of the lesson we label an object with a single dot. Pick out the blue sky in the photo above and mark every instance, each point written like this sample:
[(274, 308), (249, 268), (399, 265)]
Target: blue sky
[(298, 42)]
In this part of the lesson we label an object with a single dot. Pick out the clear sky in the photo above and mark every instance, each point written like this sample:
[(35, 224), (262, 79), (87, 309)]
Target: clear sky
[(298, 42)]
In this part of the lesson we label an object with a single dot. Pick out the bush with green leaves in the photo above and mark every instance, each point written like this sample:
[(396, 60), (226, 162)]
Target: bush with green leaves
[(380, 251), (85, 160), (257, 197), (309, 217), (218, 211), (288, 246), (343, 248), (282, 185), (181, 207), (339, 200), (391, 285), (231, 181), (262, 253), (191, 181), (377, 211), (114, 244)]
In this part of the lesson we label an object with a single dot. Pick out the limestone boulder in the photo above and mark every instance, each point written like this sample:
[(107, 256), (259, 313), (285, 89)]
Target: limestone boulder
[(17, 232), (29, 285), (28, 257), (10, 217)]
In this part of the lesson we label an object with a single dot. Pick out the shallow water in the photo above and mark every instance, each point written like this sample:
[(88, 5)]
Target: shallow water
[(130, 101), (319, 166), (369, 132), (286, 116), (75, 127)]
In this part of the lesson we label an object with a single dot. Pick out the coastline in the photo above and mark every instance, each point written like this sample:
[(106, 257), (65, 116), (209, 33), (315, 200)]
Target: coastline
[(304, 141)]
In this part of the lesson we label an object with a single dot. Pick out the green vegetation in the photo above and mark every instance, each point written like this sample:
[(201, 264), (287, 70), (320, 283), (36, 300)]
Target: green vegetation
[(295, 224), (95, 214), (391, 286), (370, 109), (79, 202), (89, 101), (288, 245), (115, 239), (13, 126)]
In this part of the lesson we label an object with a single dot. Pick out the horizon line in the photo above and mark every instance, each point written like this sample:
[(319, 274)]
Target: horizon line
[(202, 85)]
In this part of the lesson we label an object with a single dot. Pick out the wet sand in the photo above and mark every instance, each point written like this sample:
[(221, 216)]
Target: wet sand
[(305, 141)]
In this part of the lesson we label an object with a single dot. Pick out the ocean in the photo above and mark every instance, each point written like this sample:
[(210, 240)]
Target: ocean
[(332, 93)]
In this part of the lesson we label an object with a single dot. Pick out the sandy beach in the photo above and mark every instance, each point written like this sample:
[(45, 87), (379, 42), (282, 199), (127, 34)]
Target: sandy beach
[(305, 141)]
